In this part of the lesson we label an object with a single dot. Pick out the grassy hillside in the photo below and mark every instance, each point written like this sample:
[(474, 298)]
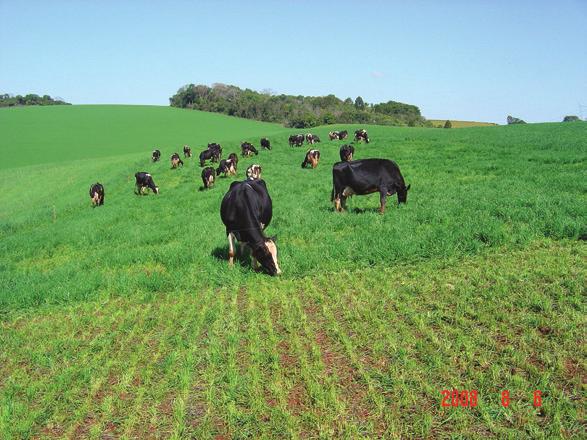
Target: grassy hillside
[(125, 320), (461, 124)]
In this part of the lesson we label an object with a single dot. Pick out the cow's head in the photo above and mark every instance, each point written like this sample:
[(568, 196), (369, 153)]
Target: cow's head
[(266, 255), (156, 190), (402, 194)]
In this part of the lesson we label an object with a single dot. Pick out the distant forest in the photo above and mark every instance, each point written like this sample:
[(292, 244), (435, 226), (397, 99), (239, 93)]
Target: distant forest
[(294, 111), (7, 100)]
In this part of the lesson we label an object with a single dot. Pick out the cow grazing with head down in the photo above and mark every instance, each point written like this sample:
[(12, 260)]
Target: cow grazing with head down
[(187, 151), (296, 140), (312, 138), (97, 194), (212, 153), (234, 158), (145, 181), (333, 135), (265, 144), (343, 135), (176, 160), (312, 158), (208, 176), (254, 172), (227, 167), (247, 149), (156, 155), (246, 211), (361, 135), (367, 176), (346, 153)]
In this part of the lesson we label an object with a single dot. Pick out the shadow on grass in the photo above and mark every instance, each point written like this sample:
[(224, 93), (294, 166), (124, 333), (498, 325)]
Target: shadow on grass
[(242, 258)]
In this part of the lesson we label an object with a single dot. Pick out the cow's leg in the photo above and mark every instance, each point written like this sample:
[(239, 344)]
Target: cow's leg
[(382, 199), (231, 252)]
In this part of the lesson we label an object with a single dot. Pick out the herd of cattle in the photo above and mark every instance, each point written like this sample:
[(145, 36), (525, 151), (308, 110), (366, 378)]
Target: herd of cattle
[(246, 209)]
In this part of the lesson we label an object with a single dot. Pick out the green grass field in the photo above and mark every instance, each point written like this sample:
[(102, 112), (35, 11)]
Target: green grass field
[(124, 321), (461, 124)]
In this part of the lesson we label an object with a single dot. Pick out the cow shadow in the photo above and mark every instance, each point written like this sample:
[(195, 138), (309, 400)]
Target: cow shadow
[(243, 258)]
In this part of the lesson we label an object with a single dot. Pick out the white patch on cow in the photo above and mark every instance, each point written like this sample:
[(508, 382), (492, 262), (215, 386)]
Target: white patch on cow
[(231, 241), (347, 192), (273, 250)]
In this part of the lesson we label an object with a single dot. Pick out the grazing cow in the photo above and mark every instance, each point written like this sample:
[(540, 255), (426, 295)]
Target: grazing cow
[(234, 158), (265, 143), (187, 151), (296, 140), (343, 135), (247, 149), (333, 135), (217, 148), (227, 166), (254, 172), (176, 160), (346, 153), (208, 176), (367, 176), (97, 194), (312, 138), (211, 154), (361, 135), (312, 158), (156, 155), (246, 211), (144, 181)]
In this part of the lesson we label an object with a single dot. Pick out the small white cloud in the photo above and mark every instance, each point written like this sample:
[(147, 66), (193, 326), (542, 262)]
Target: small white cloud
[(377, 74)]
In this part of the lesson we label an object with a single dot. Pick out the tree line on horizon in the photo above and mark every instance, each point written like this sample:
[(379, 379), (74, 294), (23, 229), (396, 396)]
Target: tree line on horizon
[(295, 111), (9, 100)]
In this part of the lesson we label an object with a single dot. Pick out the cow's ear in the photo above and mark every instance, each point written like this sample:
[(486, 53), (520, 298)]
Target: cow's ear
[(408, 187)]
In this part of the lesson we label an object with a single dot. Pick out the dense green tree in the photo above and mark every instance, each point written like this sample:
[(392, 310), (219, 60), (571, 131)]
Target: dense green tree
[(359, 103), (447, 124)]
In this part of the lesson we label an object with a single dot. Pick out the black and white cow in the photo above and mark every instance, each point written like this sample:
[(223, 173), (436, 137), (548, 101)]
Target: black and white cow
[(234, 158), (346, 153), (217, 148), (227, 167), (265, 144), (333, 135), (246, 211), (254, 172), (156, 155), (367, 176), (247, 149), (208, 176), (296, 140), (143, 181), (361, 135), (187, 151), (312, 138), (176, 160), (97, 194), (312, 158), (343, 135)]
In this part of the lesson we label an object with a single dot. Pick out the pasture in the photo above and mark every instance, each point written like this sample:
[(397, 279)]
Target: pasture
[(125, 321), (461, 124)]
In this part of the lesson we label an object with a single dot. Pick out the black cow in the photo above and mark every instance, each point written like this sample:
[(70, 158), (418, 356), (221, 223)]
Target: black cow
[(367, 176), (333, 135), (208, 176), (187, 151), (227, 166), (247, 149), (346, 153), (296, 140), (211, 154), (343, 135), (156, 155), (246, 211), (97, 194), (176, 160), (144, 181), (254, 172), (312, 158), (265, 143), (217, 148), (361, 135)]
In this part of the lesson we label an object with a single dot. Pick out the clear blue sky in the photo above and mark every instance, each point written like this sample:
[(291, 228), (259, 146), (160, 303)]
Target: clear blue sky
[(473, 60)]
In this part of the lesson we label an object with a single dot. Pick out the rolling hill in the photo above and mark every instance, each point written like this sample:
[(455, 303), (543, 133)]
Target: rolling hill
[(125, 321)]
